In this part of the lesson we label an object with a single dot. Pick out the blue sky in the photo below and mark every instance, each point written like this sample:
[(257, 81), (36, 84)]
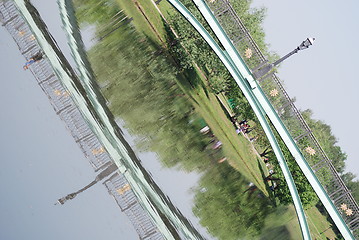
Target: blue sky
[(322, 78)]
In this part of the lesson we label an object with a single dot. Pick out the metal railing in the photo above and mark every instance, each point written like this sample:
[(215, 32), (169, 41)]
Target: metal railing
[(290, 115), (120, 189)]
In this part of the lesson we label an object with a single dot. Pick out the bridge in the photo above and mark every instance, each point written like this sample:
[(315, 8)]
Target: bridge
[(235, 39), (259, 92)]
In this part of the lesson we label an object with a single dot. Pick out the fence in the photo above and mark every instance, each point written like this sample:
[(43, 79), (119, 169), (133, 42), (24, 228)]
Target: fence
[(290, 115)]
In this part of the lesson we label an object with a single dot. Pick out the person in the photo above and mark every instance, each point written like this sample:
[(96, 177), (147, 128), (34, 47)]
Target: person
[(217, 145), (37, 57), (253, 139), (251, 188), (248, 130), (233, 119), (265, 152), (205, 130), (269, 178), (243, 122)]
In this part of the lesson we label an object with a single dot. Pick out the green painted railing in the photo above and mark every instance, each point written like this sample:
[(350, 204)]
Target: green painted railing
[(258, 110), (276, 121)]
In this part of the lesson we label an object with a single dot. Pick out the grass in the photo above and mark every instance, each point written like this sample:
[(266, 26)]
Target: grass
[(319, 227), (139, 20), (282, 224), (274, 228), (236, 148)]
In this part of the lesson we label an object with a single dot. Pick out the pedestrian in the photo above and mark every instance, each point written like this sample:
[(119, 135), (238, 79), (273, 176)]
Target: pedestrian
[(271, 179), (217, 145), (248, 130), (253, 139), (265, 152), (37, 57), (233, 119), (243, 122)]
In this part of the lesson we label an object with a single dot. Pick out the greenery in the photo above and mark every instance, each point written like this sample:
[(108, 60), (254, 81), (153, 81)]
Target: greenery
[(162, 100), (228, 207)]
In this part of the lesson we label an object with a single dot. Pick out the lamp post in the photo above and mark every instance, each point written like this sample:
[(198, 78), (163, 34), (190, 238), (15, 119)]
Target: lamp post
[(261, 71), (110, 169)]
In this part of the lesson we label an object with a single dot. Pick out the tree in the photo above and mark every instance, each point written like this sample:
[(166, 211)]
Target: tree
[(352, 183), (327, 140)]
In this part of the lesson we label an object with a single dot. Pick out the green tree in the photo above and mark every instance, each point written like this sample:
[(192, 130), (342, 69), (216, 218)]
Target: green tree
[(327, 140), (352, 183), (228, 206)]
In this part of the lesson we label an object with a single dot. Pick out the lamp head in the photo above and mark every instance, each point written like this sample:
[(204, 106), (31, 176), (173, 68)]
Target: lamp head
[(306, 43)]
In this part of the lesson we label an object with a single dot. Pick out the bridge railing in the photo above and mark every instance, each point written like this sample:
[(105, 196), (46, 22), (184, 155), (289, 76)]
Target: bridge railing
[(58, 96), (290, 115), (68, 111), (120, 189)]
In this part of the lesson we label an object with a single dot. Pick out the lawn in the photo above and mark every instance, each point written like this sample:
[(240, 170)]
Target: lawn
[(236, 148), (145, 18), (319, 227)]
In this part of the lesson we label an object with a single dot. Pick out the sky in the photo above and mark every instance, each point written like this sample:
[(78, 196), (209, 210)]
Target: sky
[(41, 163), (322, 78)]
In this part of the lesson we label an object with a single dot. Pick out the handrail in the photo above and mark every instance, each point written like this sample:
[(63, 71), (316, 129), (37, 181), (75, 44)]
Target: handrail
[(353, 220), (256, 108), (272, 114)]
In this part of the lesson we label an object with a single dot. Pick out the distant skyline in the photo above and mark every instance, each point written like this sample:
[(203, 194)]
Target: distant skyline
[(322, 78)]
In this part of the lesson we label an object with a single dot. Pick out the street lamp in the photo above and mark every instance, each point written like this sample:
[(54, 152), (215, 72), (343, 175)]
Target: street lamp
[(306, 43), (263, 70)]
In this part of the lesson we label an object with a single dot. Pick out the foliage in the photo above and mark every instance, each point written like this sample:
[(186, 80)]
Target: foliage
[(224, 194), (140, 83), (327, 140), (253, 19), (142, 90), (307, 194), (352, 184)]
